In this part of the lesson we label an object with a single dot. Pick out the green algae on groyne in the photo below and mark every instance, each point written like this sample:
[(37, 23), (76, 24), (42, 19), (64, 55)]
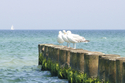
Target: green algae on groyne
[(81, 66)]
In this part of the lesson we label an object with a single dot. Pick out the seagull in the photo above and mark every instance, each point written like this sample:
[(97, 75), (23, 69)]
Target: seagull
[(64, 36), (59, 38), (74, 38)]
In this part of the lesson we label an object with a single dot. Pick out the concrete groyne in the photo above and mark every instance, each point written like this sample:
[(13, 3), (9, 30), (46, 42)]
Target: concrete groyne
[(81, 66)]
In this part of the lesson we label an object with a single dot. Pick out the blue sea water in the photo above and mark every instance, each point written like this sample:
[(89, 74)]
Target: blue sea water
[(19, 52)]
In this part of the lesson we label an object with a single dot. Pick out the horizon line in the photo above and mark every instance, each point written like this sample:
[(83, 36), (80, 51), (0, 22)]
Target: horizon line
[(61, 29)]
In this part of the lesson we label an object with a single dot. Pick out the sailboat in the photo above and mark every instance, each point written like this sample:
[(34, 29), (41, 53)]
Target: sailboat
[(12, 27)]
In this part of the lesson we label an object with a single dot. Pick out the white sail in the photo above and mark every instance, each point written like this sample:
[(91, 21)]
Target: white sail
[(12, 27)]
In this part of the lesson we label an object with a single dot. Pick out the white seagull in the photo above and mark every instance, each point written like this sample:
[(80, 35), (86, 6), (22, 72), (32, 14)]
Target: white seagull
[(59, 38), (64, 36), (74, 38)]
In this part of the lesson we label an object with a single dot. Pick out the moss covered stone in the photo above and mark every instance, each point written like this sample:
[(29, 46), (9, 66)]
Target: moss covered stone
[(72, 74), (41, 58), (54, 69)]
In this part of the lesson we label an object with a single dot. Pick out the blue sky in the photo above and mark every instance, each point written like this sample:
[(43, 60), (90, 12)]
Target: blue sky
[(62, 14)]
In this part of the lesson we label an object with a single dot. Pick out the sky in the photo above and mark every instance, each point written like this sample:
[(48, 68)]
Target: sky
[(62, 14)]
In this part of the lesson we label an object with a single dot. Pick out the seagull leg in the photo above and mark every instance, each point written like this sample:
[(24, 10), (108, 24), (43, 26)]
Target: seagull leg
[(75, 46), (69, 45)]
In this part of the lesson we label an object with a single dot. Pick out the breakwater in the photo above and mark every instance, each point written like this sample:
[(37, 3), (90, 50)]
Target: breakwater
[(81, 66)]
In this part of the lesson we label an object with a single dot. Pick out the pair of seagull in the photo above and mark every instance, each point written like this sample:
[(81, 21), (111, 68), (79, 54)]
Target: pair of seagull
[(70, 38)]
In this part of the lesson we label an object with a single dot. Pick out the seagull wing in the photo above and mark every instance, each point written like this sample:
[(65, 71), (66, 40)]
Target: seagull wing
[(79, 38), (59, 39)]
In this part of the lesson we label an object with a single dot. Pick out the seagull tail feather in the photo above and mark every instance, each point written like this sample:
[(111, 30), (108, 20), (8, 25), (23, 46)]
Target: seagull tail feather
[(86, 41)]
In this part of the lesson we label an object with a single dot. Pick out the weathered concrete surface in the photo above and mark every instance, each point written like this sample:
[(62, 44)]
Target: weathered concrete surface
[(73, 59), (41, 53), (103, 64), (67, 64), (62, 56), (112, 70), (119, 67), (80, 60), (108, 67), (56, 53), (46, 50), (91, 63), (123, 73)]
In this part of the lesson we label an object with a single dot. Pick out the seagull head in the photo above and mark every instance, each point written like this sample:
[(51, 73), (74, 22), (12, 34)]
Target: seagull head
[(68, 32), (64, 31), (60, 32)]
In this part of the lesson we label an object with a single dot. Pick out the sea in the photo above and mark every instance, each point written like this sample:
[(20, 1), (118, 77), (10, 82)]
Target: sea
[(19, 52)]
